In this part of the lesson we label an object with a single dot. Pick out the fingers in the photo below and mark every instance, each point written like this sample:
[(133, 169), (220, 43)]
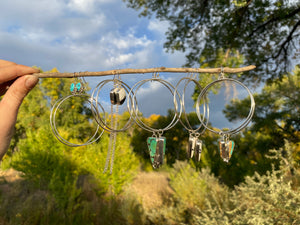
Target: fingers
[(4, 63), (16, 87), (11, 72), (9, 106), (14, 96)]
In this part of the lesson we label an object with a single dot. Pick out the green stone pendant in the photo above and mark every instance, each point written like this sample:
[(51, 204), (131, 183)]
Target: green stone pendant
[(157, 150), (226, 149)]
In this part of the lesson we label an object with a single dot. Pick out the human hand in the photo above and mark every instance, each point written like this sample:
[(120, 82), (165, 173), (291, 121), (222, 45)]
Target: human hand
[(14, 86)]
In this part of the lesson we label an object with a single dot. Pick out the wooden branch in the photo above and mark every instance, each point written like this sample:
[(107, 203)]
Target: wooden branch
[(141, 71)]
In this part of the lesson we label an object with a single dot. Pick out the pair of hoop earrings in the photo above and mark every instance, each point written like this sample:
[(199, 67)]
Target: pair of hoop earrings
[(77, 89)]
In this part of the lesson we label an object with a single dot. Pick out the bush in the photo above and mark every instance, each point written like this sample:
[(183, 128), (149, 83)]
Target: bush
[(200, 198), (73, 180)]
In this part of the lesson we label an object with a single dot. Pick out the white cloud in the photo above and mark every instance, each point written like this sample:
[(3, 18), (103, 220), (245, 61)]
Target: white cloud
[(106, 34), (159, 27), (86, 35), (125, 42), (84, 6)]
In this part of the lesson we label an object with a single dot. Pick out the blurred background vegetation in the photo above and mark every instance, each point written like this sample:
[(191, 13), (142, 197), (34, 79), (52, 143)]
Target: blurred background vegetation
[(260, 185)]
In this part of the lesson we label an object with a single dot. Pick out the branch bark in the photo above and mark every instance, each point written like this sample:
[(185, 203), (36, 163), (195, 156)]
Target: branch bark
[(142, 71), (274, 19), (288, 39)]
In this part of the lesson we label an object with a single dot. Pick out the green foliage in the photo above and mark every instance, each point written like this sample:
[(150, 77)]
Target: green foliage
[(125, 165), (276, 119), (199, 198), (229, 58), (265, 32), (25, 204), (74, 177), (73, 187), (271, 198), (183, 179), (276, 108)]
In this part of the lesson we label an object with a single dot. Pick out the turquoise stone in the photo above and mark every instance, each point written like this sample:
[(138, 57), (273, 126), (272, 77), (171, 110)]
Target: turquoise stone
[(151, 142), (72, 87), (78, 86), (157, 150)]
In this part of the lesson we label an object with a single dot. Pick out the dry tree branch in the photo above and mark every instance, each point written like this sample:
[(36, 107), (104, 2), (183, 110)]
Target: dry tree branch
[(142, 71)]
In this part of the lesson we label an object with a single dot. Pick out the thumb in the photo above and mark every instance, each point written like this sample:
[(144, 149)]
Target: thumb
[(9, 106), (15, 94)]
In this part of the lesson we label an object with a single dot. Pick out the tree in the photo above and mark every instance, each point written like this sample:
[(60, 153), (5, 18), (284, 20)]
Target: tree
[(277, 110), (265, 32), (275, 121)]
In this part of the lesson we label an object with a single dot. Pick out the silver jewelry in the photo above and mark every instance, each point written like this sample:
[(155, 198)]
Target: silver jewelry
[(117, 97), (156, 143), (77, 91), (132, 105), (226, 146), (194, 144)]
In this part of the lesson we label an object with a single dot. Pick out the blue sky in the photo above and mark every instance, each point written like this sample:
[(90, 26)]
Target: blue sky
[(80, 35), (85, 35), (89, 35)]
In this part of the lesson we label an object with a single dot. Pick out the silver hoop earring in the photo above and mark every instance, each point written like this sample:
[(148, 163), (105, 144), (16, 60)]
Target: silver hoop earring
[(157, 143), (226, 146), (77, 90), (118, 95), (194, 143)]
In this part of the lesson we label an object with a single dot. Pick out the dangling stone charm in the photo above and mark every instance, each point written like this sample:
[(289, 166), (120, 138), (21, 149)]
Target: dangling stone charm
[(117, 96), (191, 146), (226, 149), (198, 150), (78, 87), (195, 147), (157, 150)]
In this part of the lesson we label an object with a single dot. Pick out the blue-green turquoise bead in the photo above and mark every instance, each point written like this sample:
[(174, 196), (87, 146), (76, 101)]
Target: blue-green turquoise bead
[(72, 87), (78, 86)]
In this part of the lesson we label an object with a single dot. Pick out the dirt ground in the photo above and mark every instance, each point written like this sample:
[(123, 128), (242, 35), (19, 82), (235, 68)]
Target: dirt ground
[(151, 188), (7, 177)]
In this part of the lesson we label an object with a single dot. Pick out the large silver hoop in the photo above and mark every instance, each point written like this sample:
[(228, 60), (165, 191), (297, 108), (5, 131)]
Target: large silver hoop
[(54, 109), (188, 126), (95, 96), (134, 111), (202, 97)]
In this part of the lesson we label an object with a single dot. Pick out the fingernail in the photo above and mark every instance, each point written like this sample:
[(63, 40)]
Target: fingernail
[(31, 81)]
